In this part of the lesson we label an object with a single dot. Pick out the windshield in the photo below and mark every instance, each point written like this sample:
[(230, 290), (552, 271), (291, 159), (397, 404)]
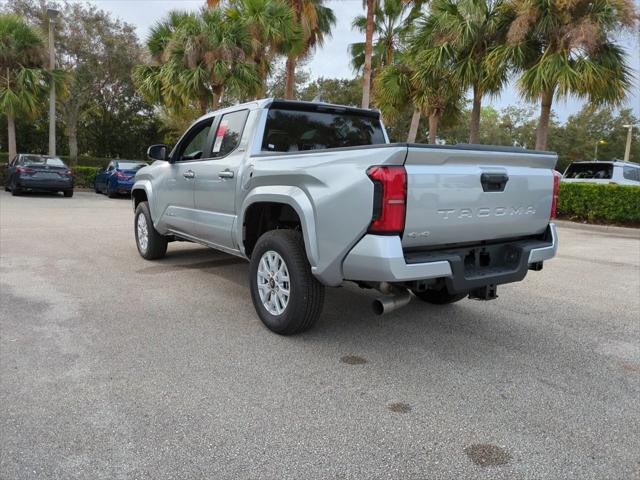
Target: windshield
[(130, 165), (589, 170), (298, 130), (39, 160)]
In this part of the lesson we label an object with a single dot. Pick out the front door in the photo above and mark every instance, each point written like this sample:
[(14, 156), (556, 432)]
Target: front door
[(216, 181), (175, 198)]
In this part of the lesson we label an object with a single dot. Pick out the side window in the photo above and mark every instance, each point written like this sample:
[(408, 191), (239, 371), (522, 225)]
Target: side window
[(631, 173), (195, 142), (229, 132), (111, 167)]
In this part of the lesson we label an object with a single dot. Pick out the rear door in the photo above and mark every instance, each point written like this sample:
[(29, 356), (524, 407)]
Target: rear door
[(470, 195), (216, 180)]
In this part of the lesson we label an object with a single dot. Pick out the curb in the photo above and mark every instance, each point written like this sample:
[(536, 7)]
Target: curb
[(610, 229)]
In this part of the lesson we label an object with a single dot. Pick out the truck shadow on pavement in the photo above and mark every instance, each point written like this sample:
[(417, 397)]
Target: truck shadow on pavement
[(347, 312)]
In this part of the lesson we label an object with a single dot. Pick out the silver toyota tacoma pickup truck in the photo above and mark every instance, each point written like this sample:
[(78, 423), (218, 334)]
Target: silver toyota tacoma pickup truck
[(314, 195)]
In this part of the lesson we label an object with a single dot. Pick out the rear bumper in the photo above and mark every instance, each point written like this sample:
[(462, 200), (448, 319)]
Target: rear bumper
[(44, 184), (123, 187), (381, 259)]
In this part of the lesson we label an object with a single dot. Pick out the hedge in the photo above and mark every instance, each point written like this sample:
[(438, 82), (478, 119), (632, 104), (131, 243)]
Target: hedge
[(599, 203)]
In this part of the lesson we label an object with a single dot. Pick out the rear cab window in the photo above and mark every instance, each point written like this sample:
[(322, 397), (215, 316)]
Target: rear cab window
[(591, 170), (291, 128)]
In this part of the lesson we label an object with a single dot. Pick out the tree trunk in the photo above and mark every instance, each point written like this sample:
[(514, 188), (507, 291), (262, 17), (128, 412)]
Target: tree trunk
[(290, 78), (11, 125), (474, 127), (543, 124), (413, 128), (203, 104), (368, 48), (433, 128), (73, 142)]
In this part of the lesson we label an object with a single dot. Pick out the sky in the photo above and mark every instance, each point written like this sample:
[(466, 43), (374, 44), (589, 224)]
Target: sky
[(332, 60)]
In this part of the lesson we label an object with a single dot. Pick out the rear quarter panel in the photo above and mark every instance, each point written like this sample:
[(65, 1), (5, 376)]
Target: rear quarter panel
[(339, 191)]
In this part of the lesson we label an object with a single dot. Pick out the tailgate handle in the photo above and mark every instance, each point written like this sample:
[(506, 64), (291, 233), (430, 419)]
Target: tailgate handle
[(494, 182)]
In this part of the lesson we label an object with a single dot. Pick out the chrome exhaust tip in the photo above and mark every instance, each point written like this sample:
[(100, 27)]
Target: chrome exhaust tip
[(383, 305)]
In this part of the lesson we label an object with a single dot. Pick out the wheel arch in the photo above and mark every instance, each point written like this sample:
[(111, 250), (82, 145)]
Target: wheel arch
[(287, 199)]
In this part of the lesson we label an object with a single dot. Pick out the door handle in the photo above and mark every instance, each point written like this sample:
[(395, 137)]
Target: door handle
[(189, 174), (225, 173)]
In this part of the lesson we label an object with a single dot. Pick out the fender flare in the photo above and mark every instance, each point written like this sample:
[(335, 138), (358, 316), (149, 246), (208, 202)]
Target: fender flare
[(297, 199), (148, 190)]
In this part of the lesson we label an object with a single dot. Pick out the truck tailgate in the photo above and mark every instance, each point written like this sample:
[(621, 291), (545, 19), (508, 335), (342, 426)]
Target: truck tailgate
[(458, 195)]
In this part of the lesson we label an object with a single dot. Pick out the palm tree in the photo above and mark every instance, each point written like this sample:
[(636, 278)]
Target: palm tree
[(464, 33), (196, 57), (271, 29), (315, 22), (370, 6), (567, 48), (22, 81), (389, 26), (434, 93)]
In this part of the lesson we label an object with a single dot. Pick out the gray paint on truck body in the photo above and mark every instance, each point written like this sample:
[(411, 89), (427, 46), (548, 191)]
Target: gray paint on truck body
[(333, 197)]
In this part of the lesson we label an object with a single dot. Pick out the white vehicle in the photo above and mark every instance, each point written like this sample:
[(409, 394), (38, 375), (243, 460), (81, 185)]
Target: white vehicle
[(616, 172)]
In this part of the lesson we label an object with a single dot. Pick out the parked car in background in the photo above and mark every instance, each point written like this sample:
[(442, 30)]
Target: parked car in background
[(117, 178), (41, 173), (621, 173)]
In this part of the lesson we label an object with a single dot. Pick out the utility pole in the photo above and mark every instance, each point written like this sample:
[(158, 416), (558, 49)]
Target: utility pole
[(52, 14), (627, 148)]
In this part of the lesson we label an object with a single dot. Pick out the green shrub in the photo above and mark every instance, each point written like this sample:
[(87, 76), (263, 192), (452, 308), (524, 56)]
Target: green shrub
[(599, 203), (85, 176)]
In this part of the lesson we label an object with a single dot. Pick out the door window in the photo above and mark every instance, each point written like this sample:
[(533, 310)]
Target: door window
[(229, 132), (193, 144)]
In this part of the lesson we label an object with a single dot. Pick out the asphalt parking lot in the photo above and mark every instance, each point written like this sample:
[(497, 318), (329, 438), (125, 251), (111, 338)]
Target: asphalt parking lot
[(115, 367)]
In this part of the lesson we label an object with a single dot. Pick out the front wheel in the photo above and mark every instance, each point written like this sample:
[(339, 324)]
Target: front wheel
[(285, 294), (151, 245), (439, 297)]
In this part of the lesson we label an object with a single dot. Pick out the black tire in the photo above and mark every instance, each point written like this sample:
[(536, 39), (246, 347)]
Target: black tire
[(68, 193), (6, 188), (156, 243), (306, 292), (111, 194), (439, 297), (15, 191), (95, 186)]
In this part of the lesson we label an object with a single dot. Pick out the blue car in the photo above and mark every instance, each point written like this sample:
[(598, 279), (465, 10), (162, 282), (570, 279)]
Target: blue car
[(118, 177)]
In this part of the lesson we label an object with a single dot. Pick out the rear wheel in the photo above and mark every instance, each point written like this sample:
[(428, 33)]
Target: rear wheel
[(110, 193), (95, 186), (15, 190), (439, 297), (151, 245), (285, 294), (68, 193)]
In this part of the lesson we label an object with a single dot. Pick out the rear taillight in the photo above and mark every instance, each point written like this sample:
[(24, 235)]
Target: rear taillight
[(69, 173), (554, 202), (389, 199), (26, 170), (121, 175)]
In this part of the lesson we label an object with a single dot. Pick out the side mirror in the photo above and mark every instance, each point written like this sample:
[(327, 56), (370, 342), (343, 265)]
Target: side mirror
[(157, 152)]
